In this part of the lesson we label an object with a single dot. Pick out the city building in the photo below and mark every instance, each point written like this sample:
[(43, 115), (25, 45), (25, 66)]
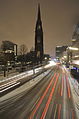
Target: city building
[(75, 41), (9, 47), (8, 52), (75, 36), (59, 51)]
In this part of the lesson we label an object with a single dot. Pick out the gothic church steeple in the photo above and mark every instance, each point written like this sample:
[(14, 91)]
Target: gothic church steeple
[(39, 14), (39, 37)]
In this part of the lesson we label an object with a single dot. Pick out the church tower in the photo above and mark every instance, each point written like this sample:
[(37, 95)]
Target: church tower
[(39, 37)]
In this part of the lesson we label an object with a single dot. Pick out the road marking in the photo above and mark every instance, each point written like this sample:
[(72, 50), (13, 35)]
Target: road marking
[(68, 87), (35, 103), (55, 111), (59, 111), (49, 99), (63, 70), (59, 90), (64, 99), (72, 114), (61, 93), (41, 99)]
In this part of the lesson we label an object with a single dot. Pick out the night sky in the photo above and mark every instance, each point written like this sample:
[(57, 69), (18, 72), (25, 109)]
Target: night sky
[(18, 20)]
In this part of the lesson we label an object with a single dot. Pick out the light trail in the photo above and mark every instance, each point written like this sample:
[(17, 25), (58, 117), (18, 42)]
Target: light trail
[(73, 114), (55, 111), (68, 88), (41, 99), (35, 103), (59, 111), (61, 93), (49, 99)]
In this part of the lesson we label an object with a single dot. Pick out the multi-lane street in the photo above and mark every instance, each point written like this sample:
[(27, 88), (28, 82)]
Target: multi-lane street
[(50, 98)]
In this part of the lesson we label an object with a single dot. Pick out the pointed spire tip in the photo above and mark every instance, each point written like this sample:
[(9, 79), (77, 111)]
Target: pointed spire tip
[(39, 14)]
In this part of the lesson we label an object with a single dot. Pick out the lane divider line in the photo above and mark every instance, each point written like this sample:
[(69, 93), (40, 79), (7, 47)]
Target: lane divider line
[(61, 93), (68, 87), (35, 103), (55, 111), (72, 114), (59, 88), (59, 111)]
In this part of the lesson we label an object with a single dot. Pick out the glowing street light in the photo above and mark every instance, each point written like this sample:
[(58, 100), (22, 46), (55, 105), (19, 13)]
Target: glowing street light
[(73, 48)]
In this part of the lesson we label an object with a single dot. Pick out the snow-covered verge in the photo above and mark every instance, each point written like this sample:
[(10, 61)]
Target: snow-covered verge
[(75, 93), (74, 85), (27, 86)]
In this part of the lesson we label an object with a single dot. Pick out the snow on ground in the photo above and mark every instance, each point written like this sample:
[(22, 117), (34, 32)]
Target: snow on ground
[(75, 92), (24, 87), (28, 73)]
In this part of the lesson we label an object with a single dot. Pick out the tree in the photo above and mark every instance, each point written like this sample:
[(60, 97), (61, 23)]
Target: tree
[(3, 61), (7, 54), (7, 45), (22, 57), (23, 49)]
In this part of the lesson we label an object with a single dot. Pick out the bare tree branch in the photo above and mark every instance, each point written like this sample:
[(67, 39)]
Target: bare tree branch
[(23, 49)]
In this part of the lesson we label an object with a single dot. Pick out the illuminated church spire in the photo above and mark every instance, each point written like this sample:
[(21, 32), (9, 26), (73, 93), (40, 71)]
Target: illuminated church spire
[(39, 36), (39, 22), (39, 14)]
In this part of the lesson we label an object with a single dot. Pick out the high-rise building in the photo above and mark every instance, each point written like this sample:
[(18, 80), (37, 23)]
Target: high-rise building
[(39, 37), (75, 42), (75, 37), (59, 51)]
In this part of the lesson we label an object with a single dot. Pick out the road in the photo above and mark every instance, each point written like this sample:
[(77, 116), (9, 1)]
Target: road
[(51, 98)]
